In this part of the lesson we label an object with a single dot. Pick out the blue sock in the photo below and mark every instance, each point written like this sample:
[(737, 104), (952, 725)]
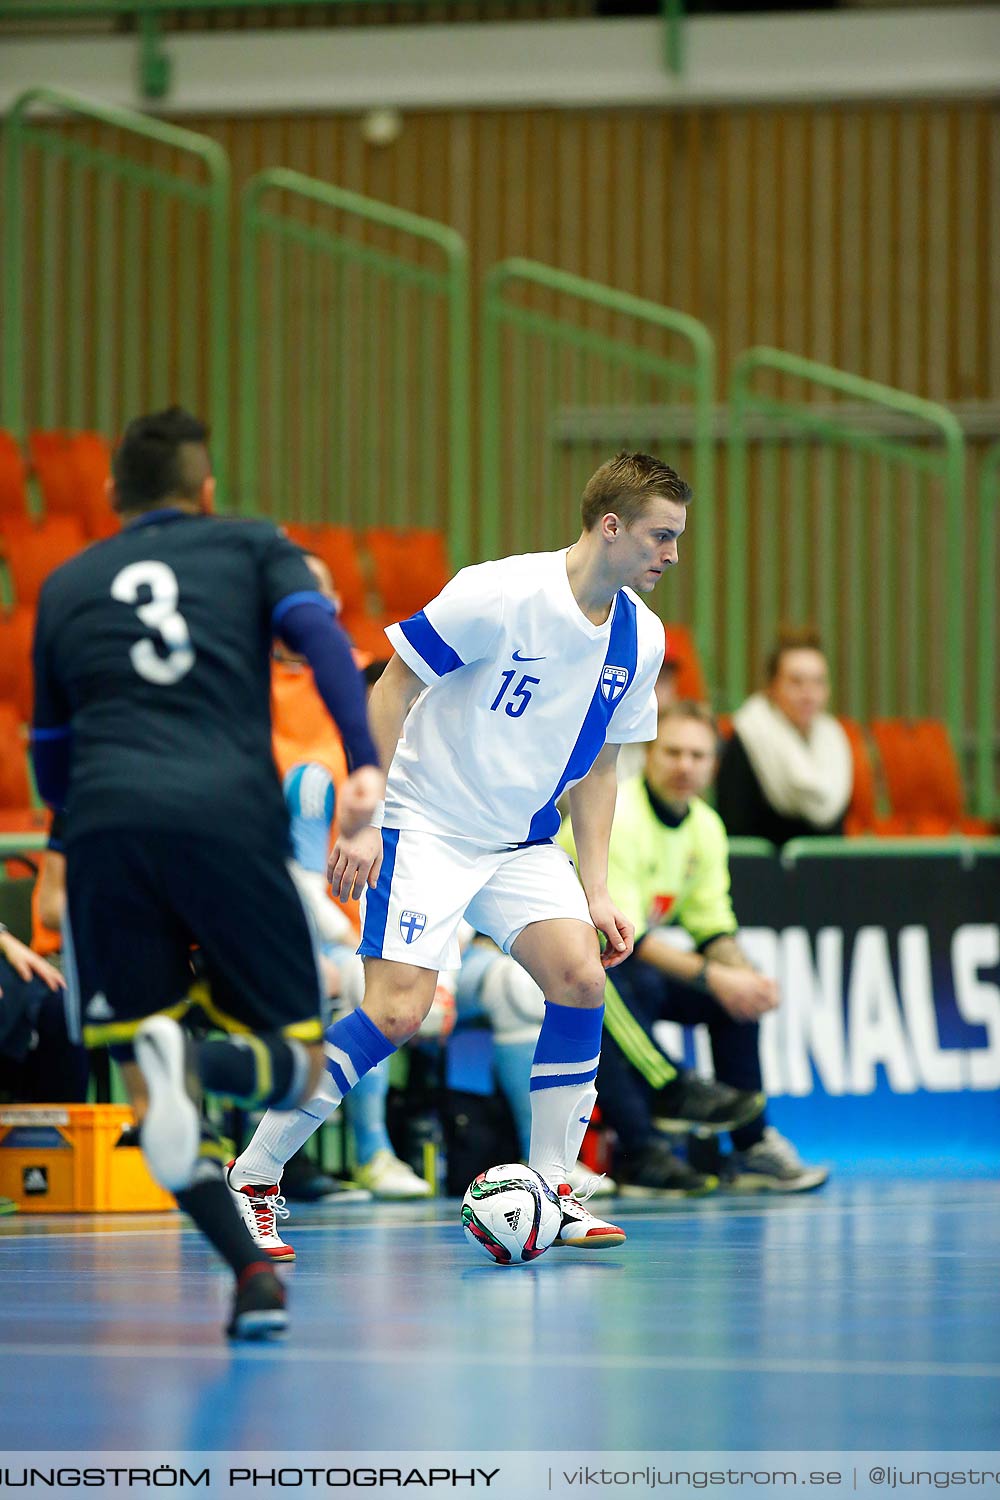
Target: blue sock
[(562, 1087), (568, 1046), (353, 1046)]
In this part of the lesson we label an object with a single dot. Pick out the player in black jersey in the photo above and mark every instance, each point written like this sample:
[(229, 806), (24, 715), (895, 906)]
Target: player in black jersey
[(152, 730)]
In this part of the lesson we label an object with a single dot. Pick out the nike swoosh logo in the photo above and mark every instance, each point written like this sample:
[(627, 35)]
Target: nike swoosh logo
[(584, 1119), (515, 656)]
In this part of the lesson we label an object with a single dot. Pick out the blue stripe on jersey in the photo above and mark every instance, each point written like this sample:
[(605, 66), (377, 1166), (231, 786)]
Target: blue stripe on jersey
[(291, 601), (623, 651), (427, 643), (377, 904), (561, 1081), (49, 734)]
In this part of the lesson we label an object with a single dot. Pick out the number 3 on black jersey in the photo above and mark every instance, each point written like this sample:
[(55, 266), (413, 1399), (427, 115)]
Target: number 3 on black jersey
[(161, 614)]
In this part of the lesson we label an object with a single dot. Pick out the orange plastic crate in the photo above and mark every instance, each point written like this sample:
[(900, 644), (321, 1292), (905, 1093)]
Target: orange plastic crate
[(64, 1159)]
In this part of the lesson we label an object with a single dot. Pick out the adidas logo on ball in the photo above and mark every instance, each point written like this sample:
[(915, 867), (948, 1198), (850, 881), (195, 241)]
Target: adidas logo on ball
[(511, 1214)]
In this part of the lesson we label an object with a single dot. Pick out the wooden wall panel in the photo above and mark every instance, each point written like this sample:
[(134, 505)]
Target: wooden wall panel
[(866, 236)]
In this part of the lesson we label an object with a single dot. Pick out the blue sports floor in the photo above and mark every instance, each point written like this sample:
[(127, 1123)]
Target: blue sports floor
[(866, 1316)]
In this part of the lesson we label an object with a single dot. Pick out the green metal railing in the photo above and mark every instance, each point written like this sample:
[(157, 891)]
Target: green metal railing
[(967, 852), (354, 360), (155, 72), (848, 516), (573, 370), (673, 35), (115, 269), (23, 843), (987, 687)]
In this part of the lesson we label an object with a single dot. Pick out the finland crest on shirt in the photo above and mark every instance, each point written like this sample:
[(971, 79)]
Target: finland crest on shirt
[(523, 692), (614, 681)]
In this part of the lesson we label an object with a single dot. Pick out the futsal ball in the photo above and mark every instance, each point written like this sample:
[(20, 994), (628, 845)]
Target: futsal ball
[(511, 1213)]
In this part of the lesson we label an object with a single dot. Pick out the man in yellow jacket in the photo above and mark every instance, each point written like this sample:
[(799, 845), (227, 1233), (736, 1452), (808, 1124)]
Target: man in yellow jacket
[(668, 865)]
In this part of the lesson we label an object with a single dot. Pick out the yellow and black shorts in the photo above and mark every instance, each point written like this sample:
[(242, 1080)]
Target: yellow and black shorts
[(138, 901)]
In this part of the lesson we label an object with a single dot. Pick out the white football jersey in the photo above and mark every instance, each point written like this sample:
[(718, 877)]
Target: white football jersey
[(522, 693)]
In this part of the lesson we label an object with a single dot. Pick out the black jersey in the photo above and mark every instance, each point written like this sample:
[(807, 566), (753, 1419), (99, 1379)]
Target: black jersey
[(154, 648)]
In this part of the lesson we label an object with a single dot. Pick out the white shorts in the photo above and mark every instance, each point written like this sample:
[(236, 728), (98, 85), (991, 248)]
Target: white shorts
[(429, 882)]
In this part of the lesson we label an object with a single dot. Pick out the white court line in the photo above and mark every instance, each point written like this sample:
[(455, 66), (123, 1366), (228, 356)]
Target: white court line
[(690, 1364), (185, 1226), (706, 1211)]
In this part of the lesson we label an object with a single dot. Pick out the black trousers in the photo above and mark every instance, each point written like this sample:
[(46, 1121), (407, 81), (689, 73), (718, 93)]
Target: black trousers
[(39, 1064), (625, 1096)]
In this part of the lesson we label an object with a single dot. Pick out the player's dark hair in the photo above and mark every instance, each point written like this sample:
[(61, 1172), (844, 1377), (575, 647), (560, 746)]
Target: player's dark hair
[(162, 456), (791, 638), (626, 484)]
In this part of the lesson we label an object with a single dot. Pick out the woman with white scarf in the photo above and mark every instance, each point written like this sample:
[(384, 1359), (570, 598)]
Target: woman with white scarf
[(787, 772)]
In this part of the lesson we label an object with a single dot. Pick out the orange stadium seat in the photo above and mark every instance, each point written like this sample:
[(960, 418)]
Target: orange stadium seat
[(681, 648), (410, 567), (13, 491), (367, 633), (72, 469), (944, 797), (51, 456), (337, 546), (33, 553), (16, 811), (923, 779), (862, 814), (90, 454), (16, 631)]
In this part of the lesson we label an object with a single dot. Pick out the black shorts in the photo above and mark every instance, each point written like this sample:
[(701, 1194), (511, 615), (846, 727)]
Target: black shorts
[(137, 904)]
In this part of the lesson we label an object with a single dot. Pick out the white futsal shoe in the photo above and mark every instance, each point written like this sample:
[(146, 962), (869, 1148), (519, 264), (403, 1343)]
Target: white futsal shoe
[(170, 1133), (260, 1208), (582, 1228), (586, 1185)]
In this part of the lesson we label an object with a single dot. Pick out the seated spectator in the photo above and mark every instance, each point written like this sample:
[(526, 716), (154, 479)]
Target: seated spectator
[(632, 758), (787, 773), (669, 866), (38, 1061), (311, 761), (310, 795), (492, 986)]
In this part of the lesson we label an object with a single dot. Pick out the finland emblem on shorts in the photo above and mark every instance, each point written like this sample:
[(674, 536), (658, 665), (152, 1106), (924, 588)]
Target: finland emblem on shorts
[(614, 681), (411, 925)]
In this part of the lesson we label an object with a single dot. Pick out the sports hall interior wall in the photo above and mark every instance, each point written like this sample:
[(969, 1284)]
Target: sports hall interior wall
[(865, 235)]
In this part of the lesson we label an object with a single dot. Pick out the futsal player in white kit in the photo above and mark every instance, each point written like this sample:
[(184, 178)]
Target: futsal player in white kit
[(518, 682)]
